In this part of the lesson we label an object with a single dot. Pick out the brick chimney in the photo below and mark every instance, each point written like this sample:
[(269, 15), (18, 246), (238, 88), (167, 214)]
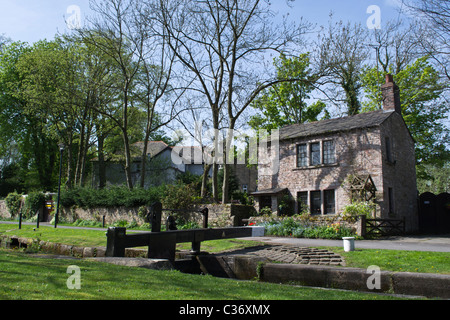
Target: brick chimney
[(391, 95)]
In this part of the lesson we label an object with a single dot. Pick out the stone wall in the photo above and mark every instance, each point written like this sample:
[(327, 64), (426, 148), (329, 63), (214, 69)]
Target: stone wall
[(218, 215), (4, 212), (399, 174), (111, 215)]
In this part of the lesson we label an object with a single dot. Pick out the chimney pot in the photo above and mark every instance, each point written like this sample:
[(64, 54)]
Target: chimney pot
[(391, 95), (389, 78)]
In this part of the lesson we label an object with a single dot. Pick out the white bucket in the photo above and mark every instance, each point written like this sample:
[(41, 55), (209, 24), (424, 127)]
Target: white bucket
[(349, 244)]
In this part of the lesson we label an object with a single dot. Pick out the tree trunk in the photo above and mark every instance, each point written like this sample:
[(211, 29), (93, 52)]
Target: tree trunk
[(206, 168), (101, 161), (69, 181)]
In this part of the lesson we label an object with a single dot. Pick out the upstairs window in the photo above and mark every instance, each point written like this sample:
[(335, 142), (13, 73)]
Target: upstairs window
[(328, 152), (315, 154), (302, 155), (388, 149)]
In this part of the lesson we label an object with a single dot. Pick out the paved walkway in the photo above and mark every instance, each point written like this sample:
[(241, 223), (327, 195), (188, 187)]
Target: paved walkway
[(437, 243)]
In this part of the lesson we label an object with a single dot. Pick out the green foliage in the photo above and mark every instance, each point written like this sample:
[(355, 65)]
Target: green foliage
[(242, 197), (358, 208), (33, 202), (289, 227), (190, 178), (179, 196), (13, 203), (423, 108), (265, 211), (111, 197), (433, 178), (87, 223), (285, 103)]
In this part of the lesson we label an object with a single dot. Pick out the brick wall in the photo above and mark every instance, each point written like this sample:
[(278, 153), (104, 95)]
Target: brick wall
[(399, 174)]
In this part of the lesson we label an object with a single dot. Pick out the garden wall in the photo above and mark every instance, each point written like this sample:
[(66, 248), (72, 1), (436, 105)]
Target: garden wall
[(218, 215), (4, 212)]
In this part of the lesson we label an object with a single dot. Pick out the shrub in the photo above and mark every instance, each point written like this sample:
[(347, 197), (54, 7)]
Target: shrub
[(265, 211), (110, 197), (357, 208), (33, 202), (289, 227), (13, 202), (87, 223), (180, 196)]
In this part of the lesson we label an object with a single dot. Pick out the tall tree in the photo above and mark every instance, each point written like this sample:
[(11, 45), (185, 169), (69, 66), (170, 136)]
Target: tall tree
[(112, 32), (154, 76), (342, 53), (27, 130), (423, 108), (433, 17), (223, 45), (287, 102)]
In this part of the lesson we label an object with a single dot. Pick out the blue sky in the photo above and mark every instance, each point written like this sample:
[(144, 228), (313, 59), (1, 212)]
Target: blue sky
[(33, 20)]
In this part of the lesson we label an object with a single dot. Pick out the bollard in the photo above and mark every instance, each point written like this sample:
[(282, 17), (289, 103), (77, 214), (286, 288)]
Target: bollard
[(171, 223), (205, 218), (155, 216), (115, 245), (349, 244)]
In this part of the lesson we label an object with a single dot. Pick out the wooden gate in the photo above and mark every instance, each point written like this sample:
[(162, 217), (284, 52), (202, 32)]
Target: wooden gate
[(385, 227)]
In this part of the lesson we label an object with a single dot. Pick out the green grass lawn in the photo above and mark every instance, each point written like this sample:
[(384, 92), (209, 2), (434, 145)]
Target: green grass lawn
[(95, 238), (397, 260), (28, 277), (75, 237), (388, 260)]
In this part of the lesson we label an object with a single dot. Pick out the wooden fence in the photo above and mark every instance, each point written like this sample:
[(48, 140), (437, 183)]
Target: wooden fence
[(381, 227)]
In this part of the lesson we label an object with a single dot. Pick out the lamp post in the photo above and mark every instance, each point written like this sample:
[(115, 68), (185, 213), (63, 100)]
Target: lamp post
[(61, 149)]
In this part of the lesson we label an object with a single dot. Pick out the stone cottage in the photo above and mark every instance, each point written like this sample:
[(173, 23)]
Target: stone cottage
[(324, 164)]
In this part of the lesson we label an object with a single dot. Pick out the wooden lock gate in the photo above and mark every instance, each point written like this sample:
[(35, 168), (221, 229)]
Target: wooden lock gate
[(162, 245)]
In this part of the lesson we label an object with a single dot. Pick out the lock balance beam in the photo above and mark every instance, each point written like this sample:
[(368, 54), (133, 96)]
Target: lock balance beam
[(162, 245)]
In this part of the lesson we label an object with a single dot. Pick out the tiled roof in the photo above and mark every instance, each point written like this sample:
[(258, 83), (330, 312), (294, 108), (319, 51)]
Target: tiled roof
[(268, 192), (153, 147), (362, 120)]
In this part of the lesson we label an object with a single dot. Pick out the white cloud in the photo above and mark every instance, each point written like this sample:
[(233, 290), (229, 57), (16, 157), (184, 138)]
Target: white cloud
[(394, 3)]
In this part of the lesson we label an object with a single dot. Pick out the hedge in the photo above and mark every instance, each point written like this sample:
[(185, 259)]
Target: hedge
[(111, 197)]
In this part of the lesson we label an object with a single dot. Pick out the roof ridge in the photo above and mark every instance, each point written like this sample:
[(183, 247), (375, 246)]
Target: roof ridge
[(360, 120)]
